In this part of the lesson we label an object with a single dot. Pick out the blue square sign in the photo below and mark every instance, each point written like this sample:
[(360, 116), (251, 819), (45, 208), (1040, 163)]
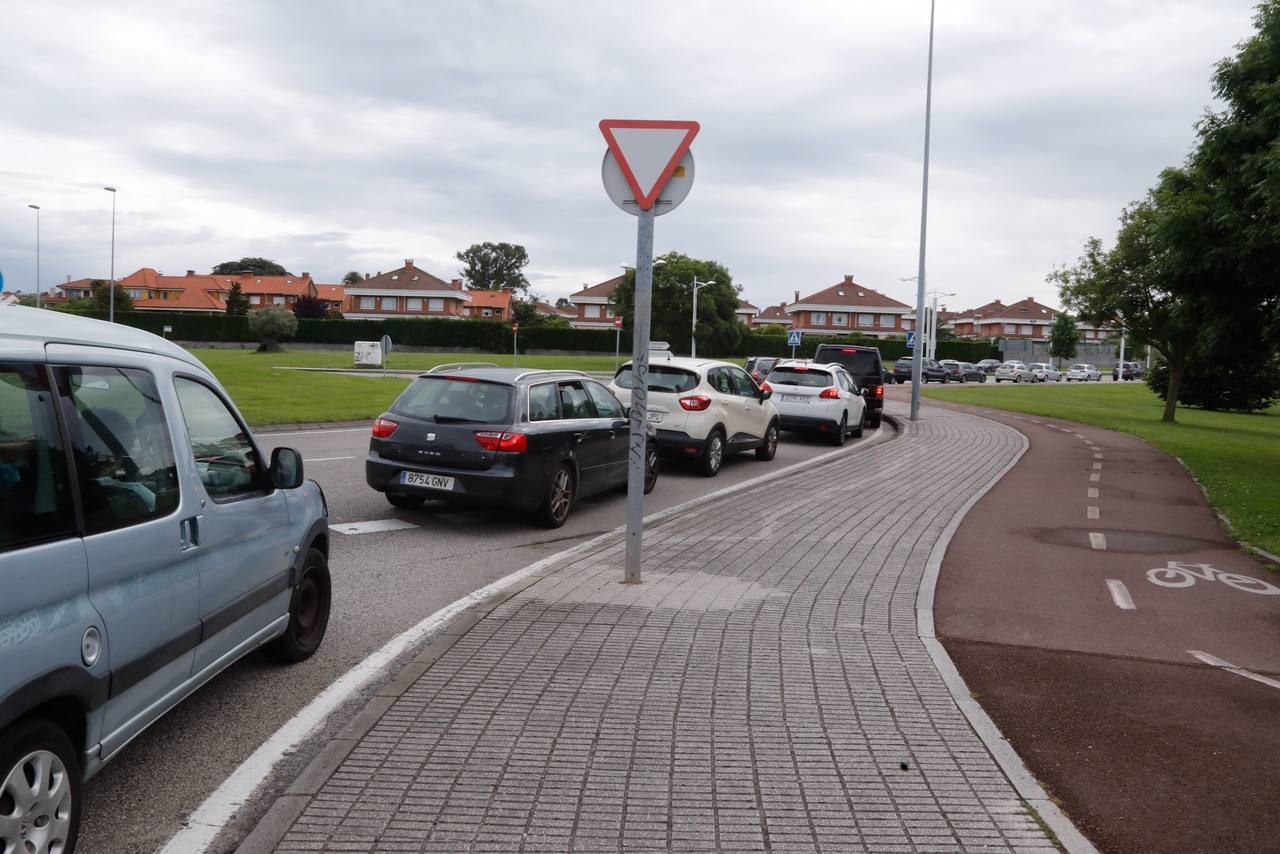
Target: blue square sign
[(911, 340), (793, 338)]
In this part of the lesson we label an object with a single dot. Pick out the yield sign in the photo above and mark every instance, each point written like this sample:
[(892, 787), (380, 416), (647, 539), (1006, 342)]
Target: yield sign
[(648, 152)]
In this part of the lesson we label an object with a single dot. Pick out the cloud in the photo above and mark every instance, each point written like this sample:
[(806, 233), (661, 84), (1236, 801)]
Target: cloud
[(335, 137)]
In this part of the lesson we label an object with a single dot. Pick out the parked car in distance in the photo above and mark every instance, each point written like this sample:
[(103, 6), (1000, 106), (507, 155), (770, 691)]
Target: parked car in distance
[(953, 367), (1083, 373), (817, 397), (1015, 372), (703, 409), (930, 371), (760, 366), (1131, 371), (531, 441), (972, 373), (988, 366), (146, 544), (1045, 372), (867, 369)]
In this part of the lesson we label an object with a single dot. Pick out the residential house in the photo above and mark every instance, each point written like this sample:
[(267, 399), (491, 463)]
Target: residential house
[(746, 313), (1026, 319), (262, 291), (334, 295), (773, 315), (594, 310), (406, 292), (848, 307), (965, 323), (492, 305), (548, 310)]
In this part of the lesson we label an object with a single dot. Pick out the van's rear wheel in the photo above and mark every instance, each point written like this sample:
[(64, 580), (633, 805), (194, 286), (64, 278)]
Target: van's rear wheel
[(308, 612), (39, 788)]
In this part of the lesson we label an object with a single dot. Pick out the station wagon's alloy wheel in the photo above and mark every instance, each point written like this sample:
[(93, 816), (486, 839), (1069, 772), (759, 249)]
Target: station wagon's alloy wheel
[(714, 454), (39, 790), (769, 449), (650, 468), (559, 498)]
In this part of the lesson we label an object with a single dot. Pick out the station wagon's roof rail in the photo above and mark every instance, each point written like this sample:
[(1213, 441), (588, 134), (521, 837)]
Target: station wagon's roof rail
[(451, 367), (573, 373)]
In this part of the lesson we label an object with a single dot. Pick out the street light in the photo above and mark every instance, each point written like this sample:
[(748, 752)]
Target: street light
[(933, 323), (917, 362), (693, 329), (36, 208), (111, 286)]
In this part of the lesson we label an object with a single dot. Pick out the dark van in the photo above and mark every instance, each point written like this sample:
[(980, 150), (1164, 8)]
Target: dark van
[(864, 364)]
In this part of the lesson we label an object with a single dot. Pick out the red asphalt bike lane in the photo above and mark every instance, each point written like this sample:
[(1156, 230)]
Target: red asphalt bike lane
[(1086, 639)]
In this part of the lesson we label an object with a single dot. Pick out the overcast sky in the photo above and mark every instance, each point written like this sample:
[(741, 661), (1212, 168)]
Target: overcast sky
[(339, 136)]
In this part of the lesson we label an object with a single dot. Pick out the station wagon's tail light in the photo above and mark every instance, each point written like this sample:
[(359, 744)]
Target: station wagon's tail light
[(696, 403), (384, 427), (512, 443), (829, 394)]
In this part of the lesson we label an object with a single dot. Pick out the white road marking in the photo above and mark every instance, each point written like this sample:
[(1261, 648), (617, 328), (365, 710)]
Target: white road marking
[(1078, 435), (1093, 492), (1097, 466), (1091, 512), (1095, 477), (1214, 661), (1090, 442), (262, 437), (1120, 595), (326, 459), (1097, 455), (208, 820), (377, 526), (1033, 421), (1098, 541)]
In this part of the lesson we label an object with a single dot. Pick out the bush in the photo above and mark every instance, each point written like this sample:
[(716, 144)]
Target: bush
[(1237, 385), (272, 325)]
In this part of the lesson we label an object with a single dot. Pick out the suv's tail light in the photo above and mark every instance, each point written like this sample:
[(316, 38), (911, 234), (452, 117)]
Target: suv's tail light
[(384, 427), (766, 387), (696, 403), (829, 394), (879, 391), (755, 375), (513, 443)]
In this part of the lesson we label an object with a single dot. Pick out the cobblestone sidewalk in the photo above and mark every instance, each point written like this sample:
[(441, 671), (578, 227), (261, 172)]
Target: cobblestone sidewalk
[(765, 688)]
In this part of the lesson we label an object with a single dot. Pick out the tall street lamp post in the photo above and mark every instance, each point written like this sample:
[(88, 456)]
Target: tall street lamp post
[(693, 329), (111, 286), (933, 323), (36, 208), (924, 222)]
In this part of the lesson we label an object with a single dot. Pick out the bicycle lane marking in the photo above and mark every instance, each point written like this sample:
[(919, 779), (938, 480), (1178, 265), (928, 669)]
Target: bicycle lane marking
[(1214, 661)]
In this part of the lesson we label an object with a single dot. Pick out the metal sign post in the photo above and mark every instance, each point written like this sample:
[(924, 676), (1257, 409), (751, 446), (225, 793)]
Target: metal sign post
[(647, 172), (793, 341), (617, 342), (515, 349)]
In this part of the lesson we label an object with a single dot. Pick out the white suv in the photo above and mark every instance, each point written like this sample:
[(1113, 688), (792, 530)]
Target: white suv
[(704, 409), (817, 397)]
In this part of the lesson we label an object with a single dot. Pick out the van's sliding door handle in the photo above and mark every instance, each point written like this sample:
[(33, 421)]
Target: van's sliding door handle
[(189, 532)]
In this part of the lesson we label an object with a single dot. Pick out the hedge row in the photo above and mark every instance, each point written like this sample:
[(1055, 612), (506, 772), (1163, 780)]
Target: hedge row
[(490, 336)]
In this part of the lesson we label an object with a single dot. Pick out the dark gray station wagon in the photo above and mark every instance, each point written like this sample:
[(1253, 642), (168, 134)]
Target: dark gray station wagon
[(532, 441)]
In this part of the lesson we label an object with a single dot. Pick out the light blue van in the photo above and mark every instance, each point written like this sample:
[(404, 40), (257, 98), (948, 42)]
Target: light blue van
[(145, 545)]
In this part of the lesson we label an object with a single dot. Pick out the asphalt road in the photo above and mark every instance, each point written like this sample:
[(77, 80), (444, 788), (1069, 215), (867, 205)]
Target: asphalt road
[(384, 583)]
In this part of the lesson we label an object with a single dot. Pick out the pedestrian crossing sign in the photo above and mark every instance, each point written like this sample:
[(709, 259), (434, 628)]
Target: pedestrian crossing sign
[(793, 338)]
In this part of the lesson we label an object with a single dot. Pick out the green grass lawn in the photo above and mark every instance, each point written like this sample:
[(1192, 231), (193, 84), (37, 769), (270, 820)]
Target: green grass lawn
[(1236, 457), (268, 395)]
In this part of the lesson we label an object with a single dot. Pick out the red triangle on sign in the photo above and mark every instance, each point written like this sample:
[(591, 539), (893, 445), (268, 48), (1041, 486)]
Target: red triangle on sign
[(648, 152)]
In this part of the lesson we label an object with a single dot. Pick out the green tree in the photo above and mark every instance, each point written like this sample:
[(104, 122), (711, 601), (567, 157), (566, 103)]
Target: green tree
[(491, 266), (310, 308), (719, 330), (272, 325), (352, 278), (237, 302), (250, 267), (102, 297), (1064, 335), (770, 329)]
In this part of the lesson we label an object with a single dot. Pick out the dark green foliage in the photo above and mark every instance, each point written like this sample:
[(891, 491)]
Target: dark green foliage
[(491, 266), (352, 278), (310, 308), (1063, 337), (1239, 385), (101, 298), (272, 325), (250, 266), (719, 330), (237, 302)]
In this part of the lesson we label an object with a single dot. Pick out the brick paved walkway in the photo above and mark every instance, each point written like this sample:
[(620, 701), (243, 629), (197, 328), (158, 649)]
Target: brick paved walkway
[(764, 689)]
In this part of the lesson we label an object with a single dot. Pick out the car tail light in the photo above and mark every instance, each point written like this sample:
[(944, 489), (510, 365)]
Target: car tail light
[(766, 387), (512, 443), (847, 350), (696, 403), (755, 375), (384, 427), (800, 369), (879, 391), (829, 394)]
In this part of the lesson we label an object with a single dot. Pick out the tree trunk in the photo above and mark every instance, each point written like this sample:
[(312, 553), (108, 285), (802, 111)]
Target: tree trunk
[(1171, 394)]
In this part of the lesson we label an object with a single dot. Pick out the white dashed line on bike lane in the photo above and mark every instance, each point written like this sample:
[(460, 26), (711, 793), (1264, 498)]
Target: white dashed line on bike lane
[(1214, 661), (1120, 595)]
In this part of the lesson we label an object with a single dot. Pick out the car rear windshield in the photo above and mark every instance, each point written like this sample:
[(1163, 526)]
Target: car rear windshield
[(456, 400), (860, 363), (1079, 367), (905, 361), (661, 378), (807, 377)]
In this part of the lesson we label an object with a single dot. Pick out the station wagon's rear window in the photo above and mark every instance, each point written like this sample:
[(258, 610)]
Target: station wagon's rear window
[(661, 378), (456, 400), (806, 377)]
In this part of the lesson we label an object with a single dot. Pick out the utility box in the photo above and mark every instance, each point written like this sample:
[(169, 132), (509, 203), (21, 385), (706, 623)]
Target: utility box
[(368, 354)]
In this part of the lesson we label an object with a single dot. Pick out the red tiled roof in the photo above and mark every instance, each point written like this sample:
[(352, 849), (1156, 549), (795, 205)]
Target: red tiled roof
[(1027, 308), (549, 309), (408, 278), (604, 289), (332, 293), (853, 295), (491, 299), (298, 286), (982, 310), (744, 305), (773, 314)]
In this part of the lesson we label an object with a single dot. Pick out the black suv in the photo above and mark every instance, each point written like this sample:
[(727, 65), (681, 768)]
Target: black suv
[(866, 368), (527, 440)]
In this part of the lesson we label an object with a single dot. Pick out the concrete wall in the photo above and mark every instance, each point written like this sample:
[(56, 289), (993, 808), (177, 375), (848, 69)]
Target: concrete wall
[(1101, 355)]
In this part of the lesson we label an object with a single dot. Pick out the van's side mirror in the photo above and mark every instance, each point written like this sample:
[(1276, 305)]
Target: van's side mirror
[(286, 468)]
